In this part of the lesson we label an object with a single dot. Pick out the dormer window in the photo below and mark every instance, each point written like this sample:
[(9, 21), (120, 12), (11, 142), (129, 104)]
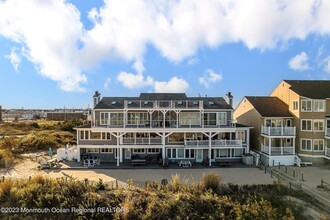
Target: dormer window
[(179, 102), (195, 103), (146, 102), (130, 103), (113, 102), (211, 103)]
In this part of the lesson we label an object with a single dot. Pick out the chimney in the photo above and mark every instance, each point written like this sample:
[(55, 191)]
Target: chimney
[(230, 99), (96, 98)]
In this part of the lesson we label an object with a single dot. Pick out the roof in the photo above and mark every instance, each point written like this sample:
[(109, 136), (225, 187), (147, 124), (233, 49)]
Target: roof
[(118, 102), (314, 89), (269, 106)]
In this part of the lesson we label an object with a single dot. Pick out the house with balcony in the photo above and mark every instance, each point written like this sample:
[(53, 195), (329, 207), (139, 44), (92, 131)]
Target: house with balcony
[(273, 134), (162, 127), (298, 114)]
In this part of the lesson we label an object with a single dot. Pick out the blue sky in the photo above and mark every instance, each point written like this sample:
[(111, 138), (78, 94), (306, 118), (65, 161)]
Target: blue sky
[(56, 53)]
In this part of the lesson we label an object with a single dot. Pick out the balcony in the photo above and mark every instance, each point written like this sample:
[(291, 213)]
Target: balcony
[(278, 131), (283, 150), (327, 132), (143, 141), (214, 143), (163, 104), (161, 124), (327, 151)]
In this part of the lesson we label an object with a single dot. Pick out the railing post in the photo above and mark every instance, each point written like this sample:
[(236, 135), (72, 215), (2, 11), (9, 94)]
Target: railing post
[(282, 131), (279, 165)]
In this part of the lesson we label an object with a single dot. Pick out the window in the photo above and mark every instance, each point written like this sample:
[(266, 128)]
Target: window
[(116, 118), (106, 136), (318, 145), (306, 144), (274, 123), (306, 105), (113, 102), (319, 105), (222, 117), (190, 118), (210, 119), (180, 152), (137, 118), (95, 135), (240, 135), (92, 150), (306, 125), (295, 105), (104, 117), (84, 135), (106, 150), (318, 125), (153, 150), (190, 154), (139, 150)]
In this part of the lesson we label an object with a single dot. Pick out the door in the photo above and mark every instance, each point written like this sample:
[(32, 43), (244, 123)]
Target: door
[(199, 155), (128, 154), (288, 122)]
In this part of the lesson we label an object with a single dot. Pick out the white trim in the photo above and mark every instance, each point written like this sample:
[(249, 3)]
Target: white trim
[(301, 124), (306, 100), (314, 140), (306, 139), (318, 120)]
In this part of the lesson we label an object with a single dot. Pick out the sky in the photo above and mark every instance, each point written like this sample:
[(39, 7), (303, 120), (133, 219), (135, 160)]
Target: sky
[(57, 53)]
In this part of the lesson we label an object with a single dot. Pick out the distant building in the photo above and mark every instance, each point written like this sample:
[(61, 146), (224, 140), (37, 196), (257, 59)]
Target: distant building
[(64, 116), (0, 113)]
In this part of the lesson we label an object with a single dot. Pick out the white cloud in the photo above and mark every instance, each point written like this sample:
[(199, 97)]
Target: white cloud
[(49, 32), (138, 66), (175, 84), (299, 62), (107, 83), (134, 81), (209, 77), (327, 64), (63, 50), (14, 58)]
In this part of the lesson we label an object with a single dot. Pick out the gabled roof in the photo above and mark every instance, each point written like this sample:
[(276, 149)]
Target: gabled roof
[(118, 102), (314, 89), (269, 106)]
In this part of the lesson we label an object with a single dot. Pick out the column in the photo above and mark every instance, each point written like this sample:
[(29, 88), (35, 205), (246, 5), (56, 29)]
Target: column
[(78, 154), (269, 146), (117, 136), (294, 146), (210, 148), (163, 148), (248, 140)]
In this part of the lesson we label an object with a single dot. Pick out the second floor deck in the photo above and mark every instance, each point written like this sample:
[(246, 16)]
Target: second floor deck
[(278, 131)]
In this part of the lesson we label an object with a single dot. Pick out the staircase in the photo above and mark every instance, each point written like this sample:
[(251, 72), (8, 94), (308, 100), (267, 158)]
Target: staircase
[(299, 162)]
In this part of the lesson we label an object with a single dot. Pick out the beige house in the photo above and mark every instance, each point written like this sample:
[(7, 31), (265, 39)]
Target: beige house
[(293, 120)]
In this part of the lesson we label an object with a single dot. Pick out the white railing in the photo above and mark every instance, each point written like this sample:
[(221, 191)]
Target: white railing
[(163, 104), (277, 150), (278, 131), (214, 143), (145, 141), (327, 132), (327, 151)]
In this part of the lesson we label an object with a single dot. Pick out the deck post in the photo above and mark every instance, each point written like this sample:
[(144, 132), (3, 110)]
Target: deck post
[(270, 147), (163, 148), (210, 147), (78, 154), (117, 136)]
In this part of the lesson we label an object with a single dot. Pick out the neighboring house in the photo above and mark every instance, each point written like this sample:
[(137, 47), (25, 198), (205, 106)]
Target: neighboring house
[(65, 116), (300, 110), (163, 127)]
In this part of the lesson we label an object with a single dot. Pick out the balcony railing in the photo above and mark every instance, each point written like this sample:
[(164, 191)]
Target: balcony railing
[(214, 143), (327, 151), (327, 132), (277, 150), (93, 142), (161, 124), (278, 131), (162, 104), (144, 141)]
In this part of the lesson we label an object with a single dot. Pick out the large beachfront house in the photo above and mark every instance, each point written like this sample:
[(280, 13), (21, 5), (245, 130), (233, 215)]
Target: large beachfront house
[(292, 123), (163, 127)]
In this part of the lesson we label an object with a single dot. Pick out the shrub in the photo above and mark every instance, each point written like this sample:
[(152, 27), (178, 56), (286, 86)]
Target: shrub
[(210, 181)]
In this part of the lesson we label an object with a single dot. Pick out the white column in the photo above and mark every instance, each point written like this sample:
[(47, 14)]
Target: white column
[(163, 148), (117, 136), (294, 145), (269, 146), (78, 154), (210, 147), (120, 155), (248, 140), (282, 144)]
